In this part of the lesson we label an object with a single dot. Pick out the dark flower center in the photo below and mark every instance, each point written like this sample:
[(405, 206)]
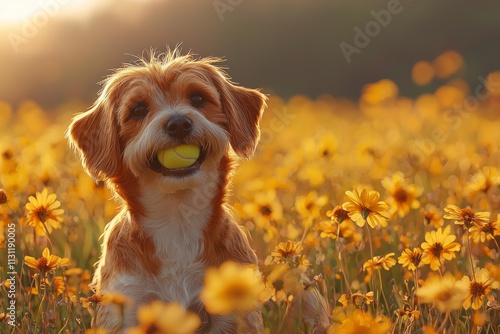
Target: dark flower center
[(266, 210), (444, 296), (416, 258), (401, 196), (468, 217), (341, 215), (152, 329), (42, 265), (7, 155), (487, 185), (278, 285), (477, 289), (488, 229), (436, 250), (42, 214), (236, 292), (365, 212)]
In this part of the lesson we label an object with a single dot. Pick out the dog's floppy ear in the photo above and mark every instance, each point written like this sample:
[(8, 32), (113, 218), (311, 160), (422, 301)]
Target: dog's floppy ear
[(243, 108), (94, 135)]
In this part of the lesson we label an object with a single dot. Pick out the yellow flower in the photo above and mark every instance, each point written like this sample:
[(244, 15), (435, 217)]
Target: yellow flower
[(479, 318), (378, 92), (447, 63), (432, 216), (403, 196), (231, 288), (309, 206), (338, 215), (411, 258), (327, 146), (365, 207), (497, 226), (494, 270), (377, 262), (161, 318), (264, 209), (43, 212), (358, 299), (114, 299), (438, 247), (5, 283), (33, 290), (327, 229), (48, 262), (340, 224), (482, 181), (59, 285), (312, 173), (360, 322), (267, 292), (408, 312), (422, 73), (290, 252), (478, 288), (90, 301), (363, 298), (444, 292), (467, 216), (486, 231), (286, 281), (350, 235), (73, 272), (344, 300), (78, 280)]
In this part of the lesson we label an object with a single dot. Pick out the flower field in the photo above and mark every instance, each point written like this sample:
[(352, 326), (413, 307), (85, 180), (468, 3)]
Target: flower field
[(388, 206)]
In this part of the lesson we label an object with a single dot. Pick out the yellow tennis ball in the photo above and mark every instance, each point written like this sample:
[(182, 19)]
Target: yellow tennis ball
[(180, 156)]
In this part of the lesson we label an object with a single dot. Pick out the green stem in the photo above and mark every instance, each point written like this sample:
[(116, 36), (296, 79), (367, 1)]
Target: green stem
[(469, 250), (371, 254), (383, 294)]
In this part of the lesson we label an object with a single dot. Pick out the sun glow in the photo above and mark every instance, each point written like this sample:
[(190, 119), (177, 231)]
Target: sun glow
[(20, 10), (11, 11)]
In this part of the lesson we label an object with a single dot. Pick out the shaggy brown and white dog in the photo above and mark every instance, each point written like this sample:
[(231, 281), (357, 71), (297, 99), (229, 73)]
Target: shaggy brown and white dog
[(173, 224)]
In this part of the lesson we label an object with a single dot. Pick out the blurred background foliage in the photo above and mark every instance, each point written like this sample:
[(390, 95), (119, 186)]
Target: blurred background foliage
[(286, 47)]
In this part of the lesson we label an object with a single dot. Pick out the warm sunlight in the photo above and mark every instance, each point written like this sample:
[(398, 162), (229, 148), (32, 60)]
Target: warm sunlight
[(16, 10), (21, 10)]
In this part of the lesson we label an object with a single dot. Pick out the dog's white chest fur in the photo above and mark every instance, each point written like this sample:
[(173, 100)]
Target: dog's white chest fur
[(178, 238)]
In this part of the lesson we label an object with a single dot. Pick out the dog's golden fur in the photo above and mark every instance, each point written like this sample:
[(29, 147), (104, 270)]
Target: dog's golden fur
[(171, 228)]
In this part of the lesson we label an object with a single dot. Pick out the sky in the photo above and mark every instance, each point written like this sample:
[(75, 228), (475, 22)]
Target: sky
[(53, 51), (18, 10)]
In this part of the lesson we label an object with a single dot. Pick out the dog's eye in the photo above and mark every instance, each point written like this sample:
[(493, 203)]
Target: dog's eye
[(197, 100), (139, 111)]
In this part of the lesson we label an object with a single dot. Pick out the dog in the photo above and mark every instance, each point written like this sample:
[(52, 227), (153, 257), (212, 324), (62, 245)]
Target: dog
[(174, 223)]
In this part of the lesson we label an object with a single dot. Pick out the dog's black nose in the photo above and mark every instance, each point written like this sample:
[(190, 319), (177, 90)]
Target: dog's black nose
[(179, 127)]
